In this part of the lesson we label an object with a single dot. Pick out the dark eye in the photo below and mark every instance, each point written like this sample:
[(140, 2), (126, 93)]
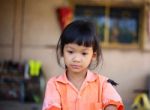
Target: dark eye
[(69, 51), (84, 53)]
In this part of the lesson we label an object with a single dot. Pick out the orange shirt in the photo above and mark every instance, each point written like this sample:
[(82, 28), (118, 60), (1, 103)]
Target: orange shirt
[(95, 94)]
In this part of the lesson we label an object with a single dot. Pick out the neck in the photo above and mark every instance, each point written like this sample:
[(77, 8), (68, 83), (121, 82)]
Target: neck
[(76, 78)]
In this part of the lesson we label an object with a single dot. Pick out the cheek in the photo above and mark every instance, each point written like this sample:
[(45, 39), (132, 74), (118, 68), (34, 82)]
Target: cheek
[(66, 58), (65, 61), (88, 59)]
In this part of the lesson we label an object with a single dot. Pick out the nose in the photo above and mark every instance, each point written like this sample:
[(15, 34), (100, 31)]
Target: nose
[(77, 58)]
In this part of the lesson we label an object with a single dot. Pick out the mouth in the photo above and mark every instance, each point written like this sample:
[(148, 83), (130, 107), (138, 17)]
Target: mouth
[(75, 66)]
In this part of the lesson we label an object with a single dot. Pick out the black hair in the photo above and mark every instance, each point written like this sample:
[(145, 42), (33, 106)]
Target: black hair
[(81, 32)]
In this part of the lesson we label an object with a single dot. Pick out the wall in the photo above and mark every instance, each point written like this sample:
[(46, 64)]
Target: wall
[(6, 28), (34, 35)]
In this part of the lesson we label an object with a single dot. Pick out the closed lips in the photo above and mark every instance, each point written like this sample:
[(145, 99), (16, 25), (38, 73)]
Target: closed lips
[(75, 66)]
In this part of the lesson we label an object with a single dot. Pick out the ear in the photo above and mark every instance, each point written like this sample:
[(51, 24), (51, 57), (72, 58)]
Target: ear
[(62, 55), (94, 56)]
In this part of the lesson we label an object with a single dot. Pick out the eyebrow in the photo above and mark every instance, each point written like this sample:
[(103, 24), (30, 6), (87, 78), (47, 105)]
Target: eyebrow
[(68, 47)]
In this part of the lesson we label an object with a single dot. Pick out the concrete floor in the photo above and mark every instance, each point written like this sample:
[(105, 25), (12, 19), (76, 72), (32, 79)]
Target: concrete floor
[(9, 105)]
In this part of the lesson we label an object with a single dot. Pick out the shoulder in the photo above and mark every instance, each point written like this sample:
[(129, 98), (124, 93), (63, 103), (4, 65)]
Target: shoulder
[(102, 78), (59, 78), (52, 80), (107, 80), (51, 85)]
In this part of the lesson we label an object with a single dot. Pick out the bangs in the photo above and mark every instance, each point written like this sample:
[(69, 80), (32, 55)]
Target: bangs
[(83, 35), (84, 40)]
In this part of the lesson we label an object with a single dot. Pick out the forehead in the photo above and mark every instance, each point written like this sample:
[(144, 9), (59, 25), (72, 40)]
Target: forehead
[(78, 47)]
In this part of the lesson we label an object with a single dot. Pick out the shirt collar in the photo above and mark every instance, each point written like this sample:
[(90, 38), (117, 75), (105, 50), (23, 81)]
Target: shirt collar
[(89, 78)]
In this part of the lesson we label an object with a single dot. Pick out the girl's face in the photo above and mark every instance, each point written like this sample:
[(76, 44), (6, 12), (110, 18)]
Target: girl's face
[(77, 58)]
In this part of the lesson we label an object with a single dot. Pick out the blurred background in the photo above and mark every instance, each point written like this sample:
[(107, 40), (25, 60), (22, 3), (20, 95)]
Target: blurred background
[(29, 31)]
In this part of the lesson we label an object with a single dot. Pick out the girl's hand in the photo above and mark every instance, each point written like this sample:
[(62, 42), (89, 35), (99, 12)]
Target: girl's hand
[(53, 108), (110, 107)]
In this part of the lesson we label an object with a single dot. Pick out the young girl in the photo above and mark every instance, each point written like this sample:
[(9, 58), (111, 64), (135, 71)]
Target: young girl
[(78, 88)]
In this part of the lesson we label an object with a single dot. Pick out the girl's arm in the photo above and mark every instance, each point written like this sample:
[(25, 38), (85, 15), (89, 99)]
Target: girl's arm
[(111, 99), (110, 107), (52, 97)]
